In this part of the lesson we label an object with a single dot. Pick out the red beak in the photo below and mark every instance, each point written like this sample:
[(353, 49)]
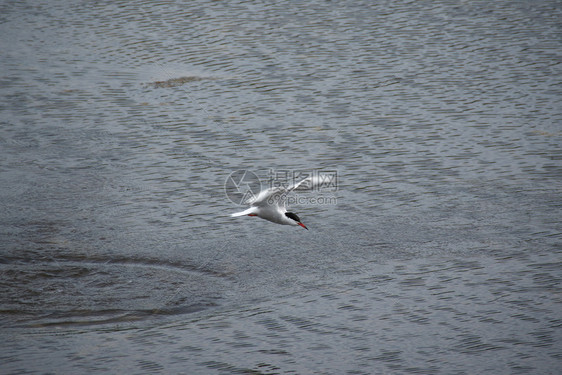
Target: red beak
[(302, 225)]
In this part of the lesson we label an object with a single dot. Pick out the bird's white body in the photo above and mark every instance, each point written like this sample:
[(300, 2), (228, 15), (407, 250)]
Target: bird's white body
[(271, 213), (270, 204)]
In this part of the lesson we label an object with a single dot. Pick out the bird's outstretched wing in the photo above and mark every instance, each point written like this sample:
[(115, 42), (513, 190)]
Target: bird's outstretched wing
[(306, 184), (266, 197), (278, 195)]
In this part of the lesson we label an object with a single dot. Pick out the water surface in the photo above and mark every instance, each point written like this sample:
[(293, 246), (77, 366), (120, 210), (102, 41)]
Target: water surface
[(122, 121)]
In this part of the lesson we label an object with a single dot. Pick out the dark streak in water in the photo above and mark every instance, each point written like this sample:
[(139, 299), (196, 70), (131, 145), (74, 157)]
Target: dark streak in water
[(174, 82)]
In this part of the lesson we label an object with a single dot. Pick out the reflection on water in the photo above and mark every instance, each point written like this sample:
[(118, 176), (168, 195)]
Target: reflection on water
[(121, 122)]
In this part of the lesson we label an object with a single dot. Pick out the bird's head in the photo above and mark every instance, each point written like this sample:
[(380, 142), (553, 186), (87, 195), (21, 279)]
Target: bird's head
[(296, 219)]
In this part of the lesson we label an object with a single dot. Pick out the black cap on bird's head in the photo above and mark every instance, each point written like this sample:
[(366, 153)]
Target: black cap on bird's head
[(294, 217)]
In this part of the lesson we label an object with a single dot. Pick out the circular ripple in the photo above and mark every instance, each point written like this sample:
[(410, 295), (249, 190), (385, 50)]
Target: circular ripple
[(81, 292)]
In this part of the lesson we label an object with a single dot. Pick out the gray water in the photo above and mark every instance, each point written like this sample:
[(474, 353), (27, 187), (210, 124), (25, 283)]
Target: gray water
[(121, 121)]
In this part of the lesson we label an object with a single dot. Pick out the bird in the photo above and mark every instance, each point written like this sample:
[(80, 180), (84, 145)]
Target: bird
[(270, 204)]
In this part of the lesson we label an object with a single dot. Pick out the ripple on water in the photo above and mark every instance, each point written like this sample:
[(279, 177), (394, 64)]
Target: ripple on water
[(92, 291)]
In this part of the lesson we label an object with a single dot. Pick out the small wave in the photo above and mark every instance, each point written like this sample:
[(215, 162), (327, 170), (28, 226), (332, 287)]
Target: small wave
[(174, 82), (81, 291)]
